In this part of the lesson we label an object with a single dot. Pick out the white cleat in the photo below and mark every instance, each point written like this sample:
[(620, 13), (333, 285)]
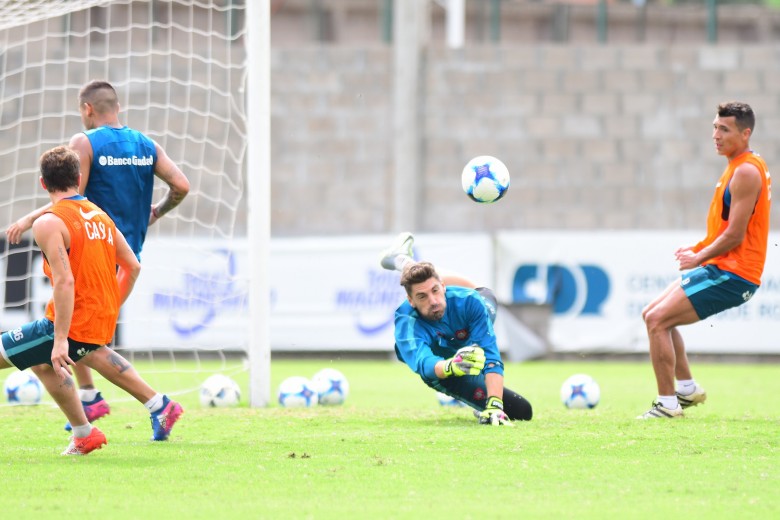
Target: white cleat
[(402, 246)]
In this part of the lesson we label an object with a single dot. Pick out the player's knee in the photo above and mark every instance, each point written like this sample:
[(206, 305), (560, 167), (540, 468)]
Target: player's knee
[(517, 407)]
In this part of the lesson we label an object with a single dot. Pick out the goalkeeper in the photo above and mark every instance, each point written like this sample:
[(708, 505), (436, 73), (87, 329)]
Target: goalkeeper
[(445, 335)]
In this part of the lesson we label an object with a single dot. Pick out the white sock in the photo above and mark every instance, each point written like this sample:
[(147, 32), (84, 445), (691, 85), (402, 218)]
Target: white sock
[(686, 386), (88, 394), (401, 261), (155, 403), (82, 431), (668, 401)]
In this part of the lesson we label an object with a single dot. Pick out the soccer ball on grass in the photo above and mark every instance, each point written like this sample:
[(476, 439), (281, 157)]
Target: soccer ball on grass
[(297, 392), (580, 391), (485, 179), (23, 388), (331, 386), (219, 391)]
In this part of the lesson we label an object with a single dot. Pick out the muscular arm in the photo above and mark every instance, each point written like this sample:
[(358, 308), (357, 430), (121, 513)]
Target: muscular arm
[(14, 231), (178, 185), (129, 267), (52, 237), (745, 189), (80, 143)]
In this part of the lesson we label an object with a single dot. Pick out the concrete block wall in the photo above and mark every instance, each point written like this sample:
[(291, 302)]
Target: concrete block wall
[(595, 136)]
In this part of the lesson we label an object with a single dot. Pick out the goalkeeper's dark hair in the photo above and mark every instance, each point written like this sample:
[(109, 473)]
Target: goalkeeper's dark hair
[(101, 95), (417, 272), (741, 112)]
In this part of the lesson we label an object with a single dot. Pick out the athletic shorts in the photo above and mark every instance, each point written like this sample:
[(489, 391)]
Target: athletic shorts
[(32, 343), (712, 290)]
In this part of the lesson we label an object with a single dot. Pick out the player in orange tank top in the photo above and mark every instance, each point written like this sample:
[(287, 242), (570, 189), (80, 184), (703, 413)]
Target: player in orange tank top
[(92, 236), (92, 270), (721, 271)]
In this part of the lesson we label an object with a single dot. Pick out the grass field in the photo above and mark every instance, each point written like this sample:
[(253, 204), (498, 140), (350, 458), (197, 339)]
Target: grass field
[(392, 452)]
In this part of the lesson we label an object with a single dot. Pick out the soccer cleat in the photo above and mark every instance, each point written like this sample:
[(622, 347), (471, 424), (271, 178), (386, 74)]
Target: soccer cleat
[(402, 245), (693, 399), (95, 409), (83, 445), (660, 412), (162, 423)]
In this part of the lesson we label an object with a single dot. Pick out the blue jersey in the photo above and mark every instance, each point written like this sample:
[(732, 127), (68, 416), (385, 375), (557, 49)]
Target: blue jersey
[(467, 321), (121, 179)]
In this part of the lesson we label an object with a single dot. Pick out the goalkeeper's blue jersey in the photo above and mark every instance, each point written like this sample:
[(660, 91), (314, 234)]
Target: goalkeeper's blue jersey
[(121, 179), (421, 343)]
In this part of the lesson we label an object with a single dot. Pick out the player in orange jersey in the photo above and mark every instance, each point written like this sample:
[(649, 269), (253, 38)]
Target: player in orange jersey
[(721, 271), (92, 270)]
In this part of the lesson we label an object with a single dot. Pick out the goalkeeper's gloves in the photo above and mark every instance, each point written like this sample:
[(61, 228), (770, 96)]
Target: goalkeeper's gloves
[(467, 361), (494, 414)]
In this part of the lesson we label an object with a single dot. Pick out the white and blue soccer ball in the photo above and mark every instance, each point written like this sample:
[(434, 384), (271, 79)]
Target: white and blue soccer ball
[(580, 391), (485, 179), (23, 388), (447, 400), (297, 392), (331, 385), (219, 391)]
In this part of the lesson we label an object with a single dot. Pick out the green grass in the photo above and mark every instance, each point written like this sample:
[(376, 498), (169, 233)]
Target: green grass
[(392, 452)]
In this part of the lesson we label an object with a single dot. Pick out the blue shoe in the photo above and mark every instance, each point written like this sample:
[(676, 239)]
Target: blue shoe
[(162, 423), (94, 409)]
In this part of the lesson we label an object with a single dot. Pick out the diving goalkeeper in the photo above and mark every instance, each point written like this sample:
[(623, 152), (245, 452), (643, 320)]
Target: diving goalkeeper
[(444, 333)]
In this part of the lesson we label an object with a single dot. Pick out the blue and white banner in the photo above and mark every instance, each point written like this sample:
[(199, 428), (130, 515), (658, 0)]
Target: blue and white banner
[(597, 284), (331, 294), (326, 293)]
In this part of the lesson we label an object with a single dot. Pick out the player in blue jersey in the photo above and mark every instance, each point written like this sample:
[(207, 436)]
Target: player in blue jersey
[(118, 167), (444, 333)]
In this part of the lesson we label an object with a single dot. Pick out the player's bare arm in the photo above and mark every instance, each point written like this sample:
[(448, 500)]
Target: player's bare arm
[(745, 189), (178, 185), (52, 237), (128, 267), (80, 143)]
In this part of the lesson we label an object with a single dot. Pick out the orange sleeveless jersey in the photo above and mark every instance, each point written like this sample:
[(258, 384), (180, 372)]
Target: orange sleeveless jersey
[(92, 256), (747, 259)]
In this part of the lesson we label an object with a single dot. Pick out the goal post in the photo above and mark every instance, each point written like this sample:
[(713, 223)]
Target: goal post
[(194, 76)]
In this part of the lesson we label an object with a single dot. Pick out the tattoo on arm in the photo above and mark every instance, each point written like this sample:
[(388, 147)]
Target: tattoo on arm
[(63, 257), (172, 199)]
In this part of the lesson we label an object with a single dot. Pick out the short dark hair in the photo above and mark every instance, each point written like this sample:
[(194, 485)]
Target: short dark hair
[(417, 272), (742, 113), (101, 95), (60, 169)]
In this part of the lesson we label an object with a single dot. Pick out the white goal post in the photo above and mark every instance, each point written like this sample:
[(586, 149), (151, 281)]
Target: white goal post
[(194, 76)]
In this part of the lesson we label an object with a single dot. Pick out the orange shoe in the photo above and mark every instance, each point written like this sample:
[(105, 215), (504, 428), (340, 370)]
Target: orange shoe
[(83, 445)]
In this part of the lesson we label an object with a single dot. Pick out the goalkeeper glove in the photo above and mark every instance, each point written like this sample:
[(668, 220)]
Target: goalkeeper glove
[(467, 361), (494, 414)]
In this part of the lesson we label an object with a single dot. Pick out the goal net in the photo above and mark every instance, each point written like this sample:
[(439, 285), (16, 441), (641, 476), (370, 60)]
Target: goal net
[(179, 68)]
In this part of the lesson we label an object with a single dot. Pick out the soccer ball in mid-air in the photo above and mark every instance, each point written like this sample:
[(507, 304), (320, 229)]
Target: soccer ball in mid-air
[(297, 392), (447, 400), (331, 386), (23, 388), (219, 391), (485, 179), (580, 391)]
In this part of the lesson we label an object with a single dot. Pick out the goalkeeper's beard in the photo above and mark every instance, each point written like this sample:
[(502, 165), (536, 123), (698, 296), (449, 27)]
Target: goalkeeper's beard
[(435, 314)]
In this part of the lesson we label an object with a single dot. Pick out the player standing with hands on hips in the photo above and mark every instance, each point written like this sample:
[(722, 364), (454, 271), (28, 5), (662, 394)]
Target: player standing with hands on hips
[(721, 271), (118, 167), (444, 333)]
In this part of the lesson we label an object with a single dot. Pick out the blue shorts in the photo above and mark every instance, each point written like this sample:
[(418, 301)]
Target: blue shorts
[(32, 343), (712, 290)]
